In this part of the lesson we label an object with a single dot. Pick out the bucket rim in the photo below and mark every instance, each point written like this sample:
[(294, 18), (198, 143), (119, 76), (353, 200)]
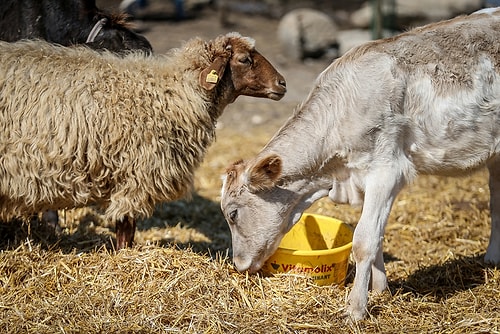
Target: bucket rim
[(332, 251), (316, 252)]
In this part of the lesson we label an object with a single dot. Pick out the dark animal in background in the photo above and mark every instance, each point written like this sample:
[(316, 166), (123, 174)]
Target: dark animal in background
[(68, 22)]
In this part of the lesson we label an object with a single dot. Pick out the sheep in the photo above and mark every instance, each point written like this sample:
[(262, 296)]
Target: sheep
[(81, 127), (424, 102), (67, 23)]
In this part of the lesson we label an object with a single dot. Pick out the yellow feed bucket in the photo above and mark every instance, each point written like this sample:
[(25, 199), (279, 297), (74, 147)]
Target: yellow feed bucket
[(316, 246)]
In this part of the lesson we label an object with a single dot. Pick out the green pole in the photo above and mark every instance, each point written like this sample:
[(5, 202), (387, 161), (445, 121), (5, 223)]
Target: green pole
[(377, 19)]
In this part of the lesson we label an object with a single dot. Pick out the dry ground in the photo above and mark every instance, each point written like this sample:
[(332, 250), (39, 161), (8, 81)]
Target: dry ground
[(178, 277)]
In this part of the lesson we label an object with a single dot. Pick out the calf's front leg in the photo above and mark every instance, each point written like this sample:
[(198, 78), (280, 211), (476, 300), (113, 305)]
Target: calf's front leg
[(381, 188), (493, 252)]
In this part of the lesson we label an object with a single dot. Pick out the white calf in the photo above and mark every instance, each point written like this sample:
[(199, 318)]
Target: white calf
[(426, 101)]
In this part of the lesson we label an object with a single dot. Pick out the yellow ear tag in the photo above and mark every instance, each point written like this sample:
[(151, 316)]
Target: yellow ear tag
[(212, 77)]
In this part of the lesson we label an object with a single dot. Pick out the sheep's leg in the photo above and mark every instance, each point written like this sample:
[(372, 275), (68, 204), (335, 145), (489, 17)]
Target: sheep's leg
[(382, 187), (493, 251), (125, 230), (51, 219)]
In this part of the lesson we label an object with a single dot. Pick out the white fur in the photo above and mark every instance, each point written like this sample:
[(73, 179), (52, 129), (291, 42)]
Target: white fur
[(424, 102)]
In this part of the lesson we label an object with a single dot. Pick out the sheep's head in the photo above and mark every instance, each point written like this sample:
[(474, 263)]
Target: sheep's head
[(248, 71)]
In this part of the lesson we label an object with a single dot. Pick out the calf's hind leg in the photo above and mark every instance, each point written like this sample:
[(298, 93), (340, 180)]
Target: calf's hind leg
[(493, 251)]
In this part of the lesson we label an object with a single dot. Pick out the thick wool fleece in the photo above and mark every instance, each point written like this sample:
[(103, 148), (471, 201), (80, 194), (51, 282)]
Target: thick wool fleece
[(81, 127)]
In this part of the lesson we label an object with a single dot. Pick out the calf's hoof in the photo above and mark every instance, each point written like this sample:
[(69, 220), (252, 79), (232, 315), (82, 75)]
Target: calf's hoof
[(356, 312)]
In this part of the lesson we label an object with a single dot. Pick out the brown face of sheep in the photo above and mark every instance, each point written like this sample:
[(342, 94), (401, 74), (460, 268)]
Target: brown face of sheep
[(251, 74)]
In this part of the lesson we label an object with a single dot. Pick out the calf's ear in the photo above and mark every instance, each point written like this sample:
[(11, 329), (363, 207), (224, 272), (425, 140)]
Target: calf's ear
[(264, 173), (210, 76)]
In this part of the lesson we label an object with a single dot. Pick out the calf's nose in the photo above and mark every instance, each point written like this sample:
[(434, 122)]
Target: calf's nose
[(240, 263), (247, 264)]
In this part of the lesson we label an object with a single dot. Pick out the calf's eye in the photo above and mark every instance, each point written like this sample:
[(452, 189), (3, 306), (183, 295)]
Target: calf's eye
[(232, 216)]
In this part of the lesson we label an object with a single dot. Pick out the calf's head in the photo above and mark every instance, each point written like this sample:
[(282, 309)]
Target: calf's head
[(243, 70), (259, 211)]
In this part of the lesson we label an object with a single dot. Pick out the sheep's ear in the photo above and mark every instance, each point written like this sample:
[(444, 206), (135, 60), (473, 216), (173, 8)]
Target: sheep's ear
[(210, 77), (265, 173)]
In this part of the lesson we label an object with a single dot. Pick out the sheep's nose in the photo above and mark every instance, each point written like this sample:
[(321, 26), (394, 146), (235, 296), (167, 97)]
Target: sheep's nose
[(279, 88), (282, 82)]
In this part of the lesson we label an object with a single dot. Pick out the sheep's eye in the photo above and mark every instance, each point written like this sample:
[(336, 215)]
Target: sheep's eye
[(246, 60), (232, 216)]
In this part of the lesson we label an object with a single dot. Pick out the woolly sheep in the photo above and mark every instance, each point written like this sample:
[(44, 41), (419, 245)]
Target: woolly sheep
[(83, 23), (81, 127)]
